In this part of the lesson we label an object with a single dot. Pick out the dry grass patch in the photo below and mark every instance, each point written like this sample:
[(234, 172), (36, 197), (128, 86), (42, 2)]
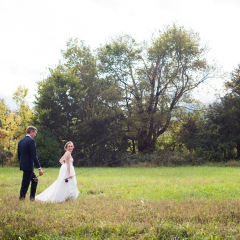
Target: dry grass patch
[(128, 203), (105, 218)]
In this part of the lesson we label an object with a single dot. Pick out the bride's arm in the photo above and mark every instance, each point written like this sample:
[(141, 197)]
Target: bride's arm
[(62, 159), (68, 156)]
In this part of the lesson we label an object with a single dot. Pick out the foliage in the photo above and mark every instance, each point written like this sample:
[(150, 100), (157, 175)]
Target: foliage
[(213, 132), (4, 112), (165, 158), (48, 148), (154, 79), (188, 131), (126, 87), (232, 103), (4, 155), (127, 98), (219, 138), (74, 104), (58, 104), (13, 124), (23, 113)]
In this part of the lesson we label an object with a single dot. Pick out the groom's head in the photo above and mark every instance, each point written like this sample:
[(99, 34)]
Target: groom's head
[(32, 131)]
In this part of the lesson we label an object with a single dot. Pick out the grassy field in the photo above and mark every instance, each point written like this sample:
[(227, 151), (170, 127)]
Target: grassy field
[(127, 203)]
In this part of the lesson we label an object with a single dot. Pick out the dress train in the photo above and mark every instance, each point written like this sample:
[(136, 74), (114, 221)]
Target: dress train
[(60, 190)]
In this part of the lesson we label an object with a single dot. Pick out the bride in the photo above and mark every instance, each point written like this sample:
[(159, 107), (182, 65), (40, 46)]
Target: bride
[(61, 190)]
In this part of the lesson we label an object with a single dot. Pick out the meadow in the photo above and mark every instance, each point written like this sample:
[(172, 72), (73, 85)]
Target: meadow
[(199, 202)]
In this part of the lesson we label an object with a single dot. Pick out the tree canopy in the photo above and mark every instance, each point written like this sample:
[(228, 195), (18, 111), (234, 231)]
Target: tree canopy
[(154, 78), (128, 97)]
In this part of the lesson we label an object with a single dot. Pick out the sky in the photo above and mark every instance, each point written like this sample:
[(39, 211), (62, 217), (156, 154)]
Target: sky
[(32, 34)]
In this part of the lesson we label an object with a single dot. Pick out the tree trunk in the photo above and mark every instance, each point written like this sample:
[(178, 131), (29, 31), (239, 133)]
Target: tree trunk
[(145, 145)]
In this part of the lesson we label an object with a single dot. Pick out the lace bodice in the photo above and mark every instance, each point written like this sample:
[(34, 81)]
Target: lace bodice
[(71, 159)]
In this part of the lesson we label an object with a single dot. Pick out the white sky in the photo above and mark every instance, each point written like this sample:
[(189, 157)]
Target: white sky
[(32, 32)]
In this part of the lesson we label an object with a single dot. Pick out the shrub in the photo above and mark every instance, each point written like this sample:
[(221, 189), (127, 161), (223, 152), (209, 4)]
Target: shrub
[(164, 159), (48, 148)]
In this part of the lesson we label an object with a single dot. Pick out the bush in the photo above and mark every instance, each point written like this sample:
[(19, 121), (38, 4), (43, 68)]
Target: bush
[(4, 155), (164, 159), (48, 148)]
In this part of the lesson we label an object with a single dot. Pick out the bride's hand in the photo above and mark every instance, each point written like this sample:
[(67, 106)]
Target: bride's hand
[(70, 176)]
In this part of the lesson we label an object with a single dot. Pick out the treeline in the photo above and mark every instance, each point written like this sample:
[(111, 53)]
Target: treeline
[(127, 99)]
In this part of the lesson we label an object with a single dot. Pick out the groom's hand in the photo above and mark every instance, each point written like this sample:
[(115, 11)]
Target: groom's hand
[(40, 172)]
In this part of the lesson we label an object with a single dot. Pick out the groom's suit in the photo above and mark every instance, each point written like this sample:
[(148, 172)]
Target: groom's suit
[(27, 155)]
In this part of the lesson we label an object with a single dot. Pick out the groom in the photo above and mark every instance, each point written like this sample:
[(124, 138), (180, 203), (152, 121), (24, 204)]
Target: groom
[(27, 155)]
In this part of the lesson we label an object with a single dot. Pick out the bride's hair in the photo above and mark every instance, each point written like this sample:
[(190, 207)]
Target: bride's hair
[(65, 147)]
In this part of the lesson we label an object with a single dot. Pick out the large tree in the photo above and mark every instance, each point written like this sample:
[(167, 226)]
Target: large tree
[(217, 136), (154, 78), (13, 124), (232, 100), (73, 103), (59, 103), (225, 116)]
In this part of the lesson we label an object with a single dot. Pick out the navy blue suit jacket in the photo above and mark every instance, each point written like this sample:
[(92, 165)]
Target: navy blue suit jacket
[(27, 154)]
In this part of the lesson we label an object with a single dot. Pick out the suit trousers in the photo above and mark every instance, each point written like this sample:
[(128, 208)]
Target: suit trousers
[(27, 178)]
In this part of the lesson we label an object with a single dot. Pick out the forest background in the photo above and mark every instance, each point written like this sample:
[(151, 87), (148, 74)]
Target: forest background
[(134, 100)]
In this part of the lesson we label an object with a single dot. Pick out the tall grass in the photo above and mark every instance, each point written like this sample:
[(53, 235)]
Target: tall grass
[(128, 203)]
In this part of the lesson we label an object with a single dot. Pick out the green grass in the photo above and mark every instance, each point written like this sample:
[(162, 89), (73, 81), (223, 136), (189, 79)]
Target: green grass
[(127, 203)]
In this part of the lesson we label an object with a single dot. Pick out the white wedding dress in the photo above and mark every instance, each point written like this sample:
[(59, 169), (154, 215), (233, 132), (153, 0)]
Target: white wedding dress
[(61, 190)]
